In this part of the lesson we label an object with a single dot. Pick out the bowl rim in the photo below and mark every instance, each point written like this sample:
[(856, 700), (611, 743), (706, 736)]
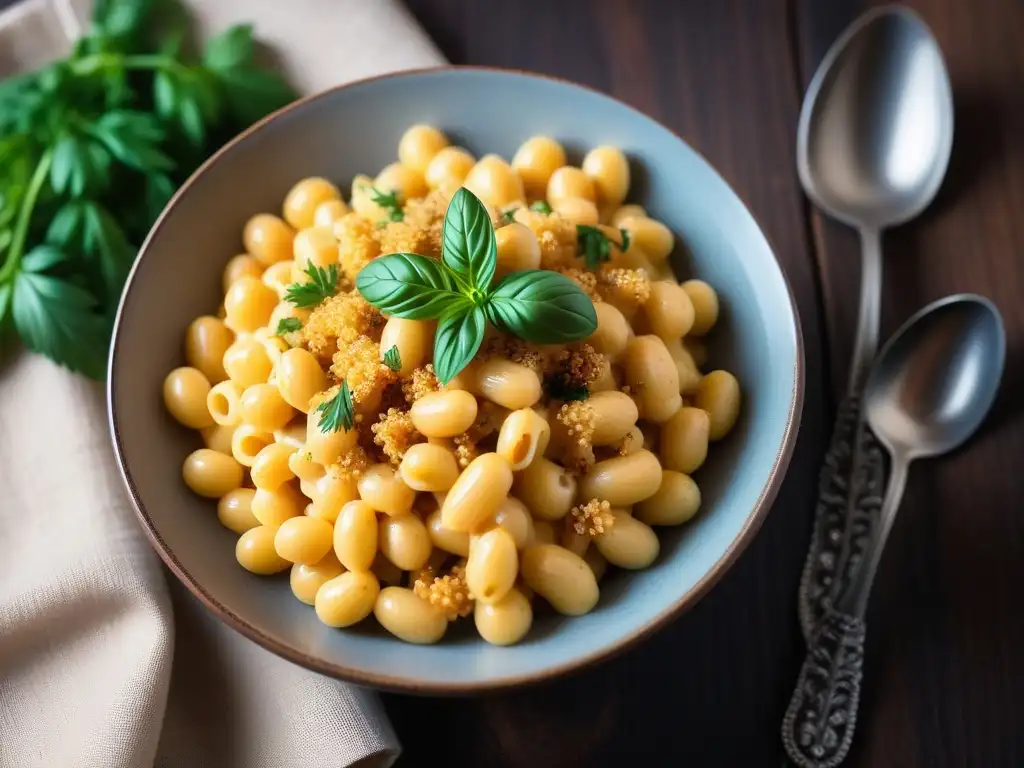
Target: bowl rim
[(398, 684)]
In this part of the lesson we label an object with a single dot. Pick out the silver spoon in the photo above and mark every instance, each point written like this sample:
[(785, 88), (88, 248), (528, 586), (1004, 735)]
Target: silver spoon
[(927, 393), (873, 145)]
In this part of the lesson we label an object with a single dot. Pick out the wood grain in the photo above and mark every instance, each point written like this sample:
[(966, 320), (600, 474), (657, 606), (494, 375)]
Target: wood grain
[(711, 689), (944, 669)]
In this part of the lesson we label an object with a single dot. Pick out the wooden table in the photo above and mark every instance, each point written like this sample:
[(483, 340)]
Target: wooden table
[(945, 663)]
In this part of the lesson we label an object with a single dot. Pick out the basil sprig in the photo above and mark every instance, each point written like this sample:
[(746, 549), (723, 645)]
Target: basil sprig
[(536, 305)]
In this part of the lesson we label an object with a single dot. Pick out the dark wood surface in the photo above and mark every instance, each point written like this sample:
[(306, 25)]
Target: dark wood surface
[(945, 666)]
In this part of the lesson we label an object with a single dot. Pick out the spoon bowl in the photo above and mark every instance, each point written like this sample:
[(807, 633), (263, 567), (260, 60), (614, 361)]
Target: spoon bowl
[(935, 380), (876, 129)]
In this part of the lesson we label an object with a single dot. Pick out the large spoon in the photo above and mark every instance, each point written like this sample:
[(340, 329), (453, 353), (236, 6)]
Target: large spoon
[(873, 144), (928, 392)]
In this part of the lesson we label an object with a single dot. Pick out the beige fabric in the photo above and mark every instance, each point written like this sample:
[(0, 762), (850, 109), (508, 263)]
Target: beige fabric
[(96, 671)]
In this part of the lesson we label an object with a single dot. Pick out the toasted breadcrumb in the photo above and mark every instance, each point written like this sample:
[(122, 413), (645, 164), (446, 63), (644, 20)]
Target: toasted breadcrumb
[(465, 449), (449, 592), (421, 381), (403, 237), (556, 236), (426, 216), (593, 518), (357, 243), (394, 433), (587, 281), (359, 363), (338, 322), (351, 465), (630, 287), (630, 443), (578, 366), (507, 347), (578, 421)]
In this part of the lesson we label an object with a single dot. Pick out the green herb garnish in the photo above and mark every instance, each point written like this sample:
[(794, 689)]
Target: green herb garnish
[(541, 206), (389, 201), (92, 147), (393, 359), (560, 387), (322, 284), (288, 325), (594, 245), (337, 413), (537, 305), (509, 216)]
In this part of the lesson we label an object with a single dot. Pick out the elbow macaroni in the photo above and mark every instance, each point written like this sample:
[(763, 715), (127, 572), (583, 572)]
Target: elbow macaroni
[(490, 493)]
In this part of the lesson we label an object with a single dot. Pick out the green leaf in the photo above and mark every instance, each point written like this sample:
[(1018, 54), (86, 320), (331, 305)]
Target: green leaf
[(407, 285), (390, 201), (165, 97), (560, 387), (66, 163), (252, 94), (593, 246), (57, 319), (468, 247), (337, 413), (159, 190), (509, 216), (393, 358), (42, 258), (541, 306), (230, 49), (119, 18), (541, 206), (190, 116), (103, 237), (322, 284), (460, 332), (625, 240), (134, 138), (65, 228), (288, 325)]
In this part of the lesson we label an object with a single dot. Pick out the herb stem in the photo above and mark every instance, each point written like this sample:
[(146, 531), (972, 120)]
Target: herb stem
[(28, 205)]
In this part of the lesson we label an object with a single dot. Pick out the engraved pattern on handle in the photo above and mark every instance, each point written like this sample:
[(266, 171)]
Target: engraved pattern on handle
[(819, 724), (850, 490)]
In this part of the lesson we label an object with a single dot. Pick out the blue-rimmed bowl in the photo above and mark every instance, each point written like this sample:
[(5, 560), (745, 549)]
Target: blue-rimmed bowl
[(355, 129)]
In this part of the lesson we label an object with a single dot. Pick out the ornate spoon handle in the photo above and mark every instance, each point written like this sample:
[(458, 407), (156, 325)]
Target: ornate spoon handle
[(849, 496), (819, 723), (818, 727)]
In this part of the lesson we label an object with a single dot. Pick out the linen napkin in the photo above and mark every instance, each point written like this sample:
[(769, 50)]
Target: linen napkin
[(105, 660)]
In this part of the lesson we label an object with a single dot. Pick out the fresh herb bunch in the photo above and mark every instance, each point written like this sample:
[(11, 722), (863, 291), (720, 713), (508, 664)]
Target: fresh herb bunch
[(536, 305), (595, 246), (91, 149)]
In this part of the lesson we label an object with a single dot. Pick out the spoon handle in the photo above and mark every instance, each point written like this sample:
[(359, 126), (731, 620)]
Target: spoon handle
[(849, 497), (818, 727)]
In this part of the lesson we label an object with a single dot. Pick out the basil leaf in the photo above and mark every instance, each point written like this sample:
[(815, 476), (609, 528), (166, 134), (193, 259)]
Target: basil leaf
[(459, 335), (467, 241), (408, 286), (541, 306)]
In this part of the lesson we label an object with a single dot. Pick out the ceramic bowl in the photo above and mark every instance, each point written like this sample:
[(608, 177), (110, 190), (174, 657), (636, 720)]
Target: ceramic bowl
[(354, 129)]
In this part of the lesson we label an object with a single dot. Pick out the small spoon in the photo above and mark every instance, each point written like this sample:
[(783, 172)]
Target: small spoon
[(873, 144), (927, 393)]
